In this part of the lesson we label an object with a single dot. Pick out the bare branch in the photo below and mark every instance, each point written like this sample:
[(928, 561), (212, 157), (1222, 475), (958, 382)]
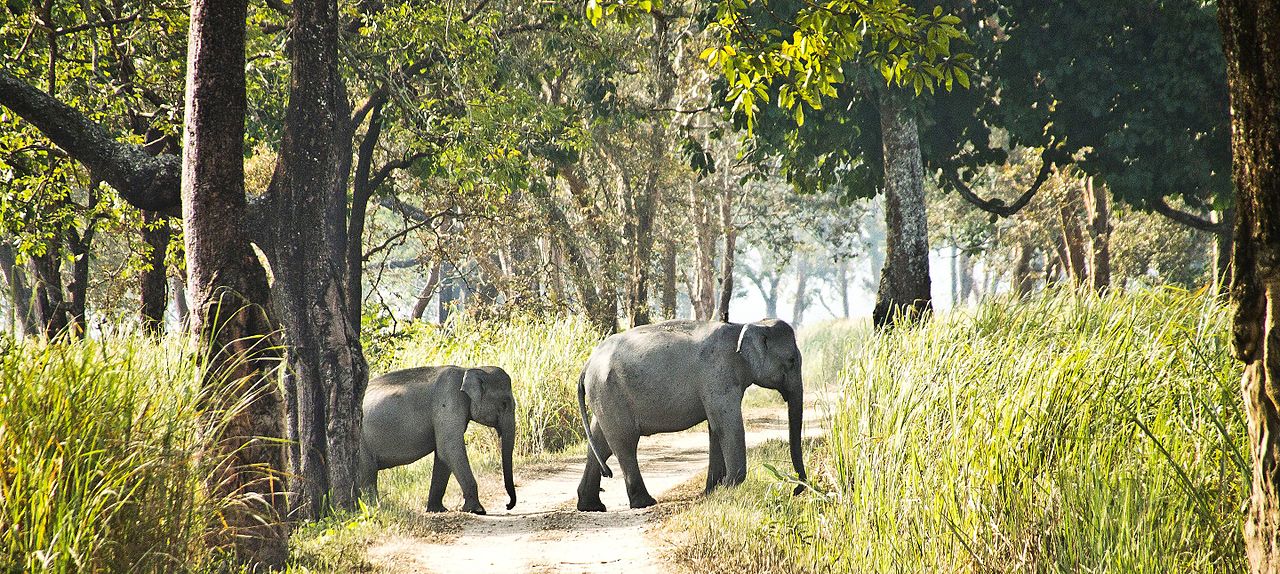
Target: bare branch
[(1188, 219), (93, 25), (385, 171), (475, 11), (403, 232), (398, 205), (997, 206)]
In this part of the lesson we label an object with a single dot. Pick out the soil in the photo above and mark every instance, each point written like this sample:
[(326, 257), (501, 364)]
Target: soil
[(544, 534)]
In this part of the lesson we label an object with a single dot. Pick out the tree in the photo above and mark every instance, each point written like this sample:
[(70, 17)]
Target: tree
[(1134, 95), (327, 373), (811, 53), (1253, 79), (229, 291)]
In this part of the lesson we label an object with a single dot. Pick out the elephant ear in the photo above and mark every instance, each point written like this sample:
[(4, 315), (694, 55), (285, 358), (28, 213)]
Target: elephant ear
[(471, 385), (753, 343)]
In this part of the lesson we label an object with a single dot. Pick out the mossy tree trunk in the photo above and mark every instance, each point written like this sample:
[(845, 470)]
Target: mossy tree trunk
[(229, 291), (1251, 43), (326, 371), (904, 291)]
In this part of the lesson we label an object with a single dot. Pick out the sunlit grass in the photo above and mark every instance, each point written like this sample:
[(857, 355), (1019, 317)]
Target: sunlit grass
[(1069, 433), (98, 456)]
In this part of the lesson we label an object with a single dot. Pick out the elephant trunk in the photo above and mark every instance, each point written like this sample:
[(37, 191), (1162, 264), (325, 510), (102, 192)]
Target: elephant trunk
[(508, 435), (795, 424)]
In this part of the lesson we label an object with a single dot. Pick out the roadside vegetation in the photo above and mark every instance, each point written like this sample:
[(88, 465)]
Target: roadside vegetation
[(1065, 433), (99, 465)]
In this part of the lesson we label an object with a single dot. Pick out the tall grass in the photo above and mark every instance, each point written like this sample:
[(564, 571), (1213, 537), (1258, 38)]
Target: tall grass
[(1069, 433), (98, 466), (542, 355)]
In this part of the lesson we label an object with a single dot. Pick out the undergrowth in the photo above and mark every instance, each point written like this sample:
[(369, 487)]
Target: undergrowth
[(1067, 433)]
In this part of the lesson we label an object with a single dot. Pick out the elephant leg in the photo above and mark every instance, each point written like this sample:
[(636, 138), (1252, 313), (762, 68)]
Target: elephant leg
[(589, 487), (367, 476), (733, 444), (453, 451), (625, 450), (439, 481), (715, 468)]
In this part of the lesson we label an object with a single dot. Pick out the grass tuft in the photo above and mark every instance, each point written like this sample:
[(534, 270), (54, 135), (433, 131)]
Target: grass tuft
[(98, 456)]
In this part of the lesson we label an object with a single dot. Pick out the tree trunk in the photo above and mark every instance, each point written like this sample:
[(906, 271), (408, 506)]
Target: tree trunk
[(702, 296), (1023, 279), (327, 374), (360, 194), (1095, 203), (593, 299), (904, 282), (1253, 79), (424, 298), (78, 288), (801, 301), (842, 279), (1222, 245), (178, 287), (448, 292), (1072, 237), (48, 302), (668, 279), (730, 249), (644, 204), (230, 292), (955, 276), (25, 321), (153, 281)]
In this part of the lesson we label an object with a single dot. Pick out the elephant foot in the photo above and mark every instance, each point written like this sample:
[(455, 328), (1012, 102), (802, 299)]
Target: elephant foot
[(436, 508), (473, 508), (642, 501), (590, 505)]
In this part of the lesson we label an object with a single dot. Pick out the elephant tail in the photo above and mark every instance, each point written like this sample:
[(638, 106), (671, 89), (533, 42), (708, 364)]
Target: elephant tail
[(605, 471)]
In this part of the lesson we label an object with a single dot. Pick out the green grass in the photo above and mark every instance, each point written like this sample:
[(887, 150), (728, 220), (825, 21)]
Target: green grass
[(1069, 433), (98, 465)]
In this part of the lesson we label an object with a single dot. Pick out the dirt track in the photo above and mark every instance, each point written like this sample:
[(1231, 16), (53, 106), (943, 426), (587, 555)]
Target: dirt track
[(544, 534)]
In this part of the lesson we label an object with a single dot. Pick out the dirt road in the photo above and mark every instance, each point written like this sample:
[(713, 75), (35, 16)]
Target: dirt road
[(543, 534)]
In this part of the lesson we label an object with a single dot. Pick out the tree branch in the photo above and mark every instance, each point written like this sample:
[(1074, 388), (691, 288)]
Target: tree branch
[(93, 25), (521, 28), (475, 11), (408, 211), (145, 181), (385, 171), (997, 206), (403, 232), (1193, 221)]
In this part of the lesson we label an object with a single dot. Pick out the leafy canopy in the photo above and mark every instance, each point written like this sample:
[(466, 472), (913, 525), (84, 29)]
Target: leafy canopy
[(803, 49)]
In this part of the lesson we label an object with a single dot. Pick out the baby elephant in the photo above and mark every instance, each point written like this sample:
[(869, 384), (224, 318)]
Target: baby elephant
[(411, 413)]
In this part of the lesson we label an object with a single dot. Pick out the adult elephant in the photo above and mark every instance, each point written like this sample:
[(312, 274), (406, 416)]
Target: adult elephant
[(669, 376), (411, 413)]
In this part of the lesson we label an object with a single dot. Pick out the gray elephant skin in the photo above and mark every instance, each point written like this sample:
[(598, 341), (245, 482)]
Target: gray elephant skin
[(411, 413), (669, 376)]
